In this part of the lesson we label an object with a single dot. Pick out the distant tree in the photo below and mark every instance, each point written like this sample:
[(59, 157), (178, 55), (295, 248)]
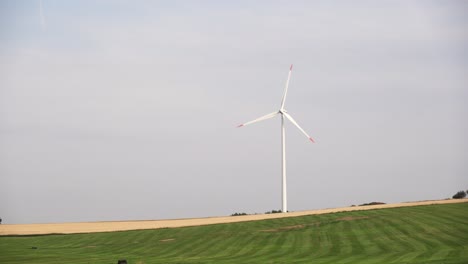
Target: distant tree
[(0, 221), (273, 212), (238, 214), (371, 203), (459, 195)]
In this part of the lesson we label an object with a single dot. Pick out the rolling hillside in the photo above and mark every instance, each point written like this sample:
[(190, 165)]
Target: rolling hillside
[(420, 234)]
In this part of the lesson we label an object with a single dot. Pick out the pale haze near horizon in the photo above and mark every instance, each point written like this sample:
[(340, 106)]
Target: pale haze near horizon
[(115, 110)]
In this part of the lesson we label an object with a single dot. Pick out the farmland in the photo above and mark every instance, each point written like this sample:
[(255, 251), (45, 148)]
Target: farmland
[(420, 234)]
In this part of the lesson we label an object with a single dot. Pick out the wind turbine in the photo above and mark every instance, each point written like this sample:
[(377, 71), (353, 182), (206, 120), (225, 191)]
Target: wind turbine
[(284, 114)]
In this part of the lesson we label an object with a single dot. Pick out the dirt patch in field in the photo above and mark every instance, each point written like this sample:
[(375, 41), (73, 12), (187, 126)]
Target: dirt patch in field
[(284, 228), (351, 218), (288, 228), (167, 240)]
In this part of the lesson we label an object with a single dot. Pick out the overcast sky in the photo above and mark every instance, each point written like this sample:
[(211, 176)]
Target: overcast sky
[(114, 110)]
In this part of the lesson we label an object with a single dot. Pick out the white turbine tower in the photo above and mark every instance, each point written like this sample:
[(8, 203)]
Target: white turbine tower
[(284, 114)]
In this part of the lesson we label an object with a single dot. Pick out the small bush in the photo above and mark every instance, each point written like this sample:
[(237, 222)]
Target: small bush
[(238, 214), (459, 195), (273, 212), (372, 203)]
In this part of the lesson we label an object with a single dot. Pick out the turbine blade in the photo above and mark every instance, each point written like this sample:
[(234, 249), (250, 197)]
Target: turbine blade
[(295, 123), (265, 117), (286, 88)]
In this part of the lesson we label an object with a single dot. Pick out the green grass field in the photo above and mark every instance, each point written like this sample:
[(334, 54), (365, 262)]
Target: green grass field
[(422, 234)]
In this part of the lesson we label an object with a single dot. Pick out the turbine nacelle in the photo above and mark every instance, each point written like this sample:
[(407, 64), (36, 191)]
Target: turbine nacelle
[(285, 114)]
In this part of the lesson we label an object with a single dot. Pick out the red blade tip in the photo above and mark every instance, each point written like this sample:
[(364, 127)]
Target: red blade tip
[(290, 68), (241, 125), (311, 139)]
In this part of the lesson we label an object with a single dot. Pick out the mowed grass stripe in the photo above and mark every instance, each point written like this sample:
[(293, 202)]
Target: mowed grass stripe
[(361, 249), (367, 231), (444, 237), (426, 243), (417, 246), (441, 236), (424, 234), (445, 229), (238, 242)]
